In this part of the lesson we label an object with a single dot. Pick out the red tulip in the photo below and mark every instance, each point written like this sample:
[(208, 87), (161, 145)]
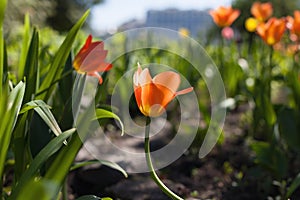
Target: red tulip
[(272, 31), (153, 95), (91, 59), (224, 16), (261, 11)]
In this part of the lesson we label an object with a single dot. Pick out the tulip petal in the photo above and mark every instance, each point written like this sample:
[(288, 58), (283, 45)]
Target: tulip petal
[(136, 75), (95, 74), (185, 91), (144, 77), (169, 79)]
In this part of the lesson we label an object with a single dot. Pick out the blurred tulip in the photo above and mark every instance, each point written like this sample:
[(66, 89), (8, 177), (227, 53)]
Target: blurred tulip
[(293, 24), (91, 59), (227, 33), (272, 31), (224, 16), (153, 95), (251, 24), (262, 11)]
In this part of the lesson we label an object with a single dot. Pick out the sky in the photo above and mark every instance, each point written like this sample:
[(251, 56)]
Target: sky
[(112, 13)]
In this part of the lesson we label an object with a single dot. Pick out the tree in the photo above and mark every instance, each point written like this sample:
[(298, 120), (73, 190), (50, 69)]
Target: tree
[(59, 14)]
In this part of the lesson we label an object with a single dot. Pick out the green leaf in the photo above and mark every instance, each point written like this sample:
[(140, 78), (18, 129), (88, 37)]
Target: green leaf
[(295, 184), (31, 68), (103, 114), (2, 11), (53, 146), (103, 162), (287, 123), (26, 38), (268, 110), (60, 59), (19, 145), (89, 197), (271, 158), (9, 117), (37, 189), (65, 156), (2, 52), (44, 112)]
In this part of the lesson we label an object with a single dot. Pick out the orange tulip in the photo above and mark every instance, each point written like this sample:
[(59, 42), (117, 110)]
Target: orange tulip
[(272, 31), (153, 95), (224, 16), (294, 24), (91, 59), (261, 11)]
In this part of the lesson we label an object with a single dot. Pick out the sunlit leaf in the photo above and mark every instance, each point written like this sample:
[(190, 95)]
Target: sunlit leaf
[(37, 189), (25, 45), (2, 11), (102, 162), (44, 112), (88, 197), (103, 114), (9, 118)]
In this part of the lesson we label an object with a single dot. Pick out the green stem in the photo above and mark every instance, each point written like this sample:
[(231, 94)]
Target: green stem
[(270, 71), (154, 176), (65, 189), (62, 76), (1, 187)]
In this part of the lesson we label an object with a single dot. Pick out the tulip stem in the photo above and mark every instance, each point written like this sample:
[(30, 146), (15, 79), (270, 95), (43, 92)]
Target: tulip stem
[(154, 176)]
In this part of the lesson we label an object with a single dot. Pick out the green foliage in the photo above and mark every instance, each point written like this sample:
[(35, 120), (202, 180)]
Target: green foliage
[(38, 128), (271, 157), (9, 110), (60, 58)]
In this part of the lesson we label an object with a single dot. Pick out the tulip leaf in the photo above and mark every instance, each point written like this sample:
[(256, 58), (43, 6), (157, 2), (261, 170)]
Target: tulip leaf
[(287, 122), (295, 184), (59, 60), (90, 197), (8, 114), (44, 112), (53, 146), (31, 72), (103, 114), (25, 46), (2, 11), (270, 157), (37, 189), (102, 162)]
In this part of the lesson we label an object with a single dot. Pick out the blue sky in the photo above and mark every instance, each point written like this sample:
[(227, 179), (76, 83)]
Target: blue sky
[(110, 14)]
